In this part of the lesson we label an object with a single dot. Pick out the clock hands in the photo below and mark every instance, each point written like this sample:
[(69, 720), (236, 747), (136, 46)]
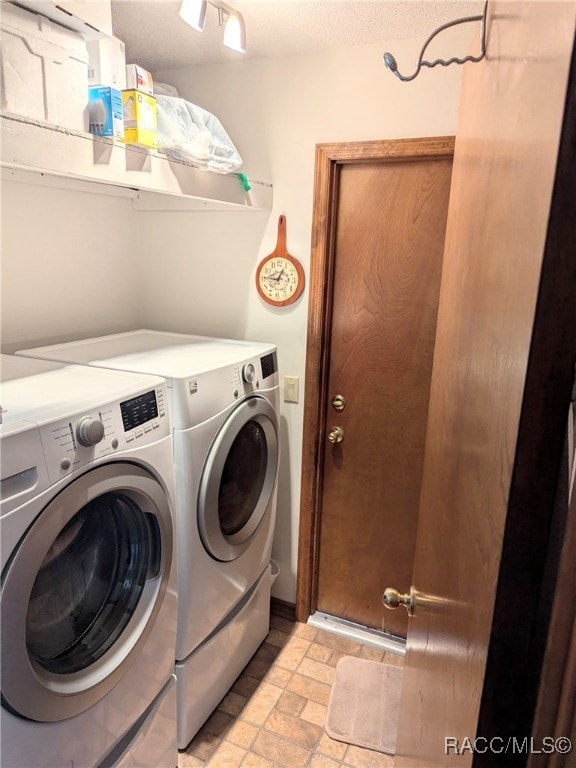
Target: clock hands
[(277, 277)]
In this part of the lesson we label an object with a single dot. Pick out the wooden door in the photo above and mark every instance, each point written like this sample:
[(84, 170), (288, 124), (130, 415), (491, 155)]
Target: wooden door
[(391, 222), (503, 367), (388, 219)]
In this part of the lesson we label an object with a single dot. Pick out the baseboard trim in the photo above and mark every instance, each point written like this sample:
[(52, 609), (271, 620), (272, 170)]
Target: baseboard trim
[(283, 609)]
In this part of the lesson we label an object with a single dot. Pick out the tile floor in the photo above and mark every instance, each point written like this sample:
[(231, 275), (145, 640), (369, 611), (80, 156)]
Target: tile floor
[(274, 714)]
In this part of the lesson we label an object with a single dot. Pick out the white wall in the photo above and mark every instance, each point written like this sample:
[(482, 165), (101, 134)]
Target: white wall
[(69, 265), (276, 111)]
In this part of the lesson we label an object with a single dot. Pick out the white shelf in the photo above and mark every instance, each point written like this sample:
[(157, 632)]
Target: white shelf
[(156, 182)]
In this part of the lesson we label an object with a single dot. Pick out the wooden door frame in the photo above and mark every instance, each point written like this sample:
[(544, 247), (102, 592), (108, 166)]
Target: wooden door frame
[(329, 160)]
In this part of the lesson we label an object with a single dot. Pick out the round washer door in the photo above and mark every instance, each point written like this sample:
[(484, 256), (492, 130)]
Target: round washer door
[(81, 592), (238, 479)]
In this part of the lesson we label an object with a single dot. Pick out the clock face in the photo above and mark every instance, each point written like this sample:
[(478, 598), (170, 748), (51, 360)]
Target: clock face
[(280, 280)]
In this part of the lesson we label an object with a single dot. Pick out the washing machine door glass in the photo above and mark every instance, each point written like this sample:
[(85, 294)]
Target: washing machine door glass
[(82, 590), (90, 582), (239, 479), (243, 478)]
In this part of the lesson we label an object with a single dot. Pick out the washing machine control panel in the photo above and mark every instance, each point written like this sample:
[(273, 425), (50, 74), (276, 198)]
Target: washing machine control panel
[(198, 398), (253, 372), (77, 441)]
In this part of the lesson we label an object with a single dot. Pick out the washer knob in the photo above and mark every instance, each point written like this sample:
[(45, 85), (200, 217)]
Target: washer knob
[(89, 431), (249, 373)]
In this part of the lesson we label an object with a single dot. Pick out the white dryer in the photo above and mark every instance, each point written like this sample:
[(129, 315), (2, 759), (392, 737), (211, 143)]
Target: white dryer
[(88, 602), (223, 397)]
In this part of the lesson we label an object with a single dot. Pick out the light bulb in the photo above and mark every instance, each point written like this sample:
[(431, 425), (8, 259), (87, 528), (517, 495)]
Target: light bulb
[(193, 12), (235, 33)]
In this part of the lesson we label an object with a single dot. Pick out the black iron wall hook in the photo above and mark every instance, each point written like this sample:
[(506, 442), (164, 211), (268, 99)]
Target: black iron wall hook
[(392, 65)]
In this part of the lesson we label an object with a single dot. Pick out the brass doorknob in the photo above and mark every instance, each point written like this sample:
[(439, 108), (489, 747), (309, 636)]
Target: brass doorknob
[(392, 599), (338, 402), (336, 435)]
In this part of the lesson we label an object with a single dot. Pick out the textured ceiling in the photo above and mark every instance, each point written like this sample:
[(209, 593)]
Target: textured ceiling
[(157, 38)]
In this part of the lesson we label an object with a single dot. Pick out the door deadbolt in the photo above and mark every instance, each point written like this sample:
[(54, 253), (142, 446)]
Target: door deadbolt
[(336, 435), (392, 599), (338, 402)]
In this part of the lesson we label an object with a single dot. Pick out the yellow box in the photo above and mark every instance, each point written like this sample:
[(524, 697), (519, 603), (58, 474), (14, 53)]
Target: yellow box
[(140, 119)]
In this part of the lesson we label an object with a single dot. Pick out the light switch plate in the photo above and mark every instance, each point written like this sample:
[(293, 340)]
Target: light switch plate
[(291, 389)]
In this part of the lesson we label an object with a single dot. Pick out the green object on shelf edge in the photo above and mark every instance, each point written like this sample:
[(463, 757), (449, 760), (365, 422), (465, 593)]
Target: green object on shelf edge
[(245, 183)]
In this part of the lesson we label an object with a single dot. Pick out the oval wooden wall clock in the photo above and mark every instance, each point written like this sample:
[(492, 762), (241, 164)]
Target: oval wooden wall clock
[(280, 276)]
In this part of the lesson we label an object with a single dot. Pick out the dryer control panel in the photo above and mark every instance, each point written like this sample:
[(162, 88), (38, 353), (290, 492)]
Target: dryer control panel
[(76, 441)]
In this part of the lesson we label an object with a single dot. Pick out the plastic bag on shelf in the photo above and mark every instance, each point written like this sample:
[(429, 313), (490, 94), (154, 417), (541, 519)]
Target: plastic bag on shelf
[(164, 89), (190, 134)]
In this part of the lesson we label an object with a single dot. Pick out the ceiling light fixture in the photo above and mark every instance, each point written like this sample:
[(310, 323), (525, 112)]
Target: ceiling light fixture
[(193, 12)]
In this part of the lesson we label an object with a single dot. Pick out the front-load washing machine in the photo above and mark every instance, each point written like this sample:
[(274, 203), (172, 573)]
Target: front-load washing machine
[(88, 602), (223, 397)]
